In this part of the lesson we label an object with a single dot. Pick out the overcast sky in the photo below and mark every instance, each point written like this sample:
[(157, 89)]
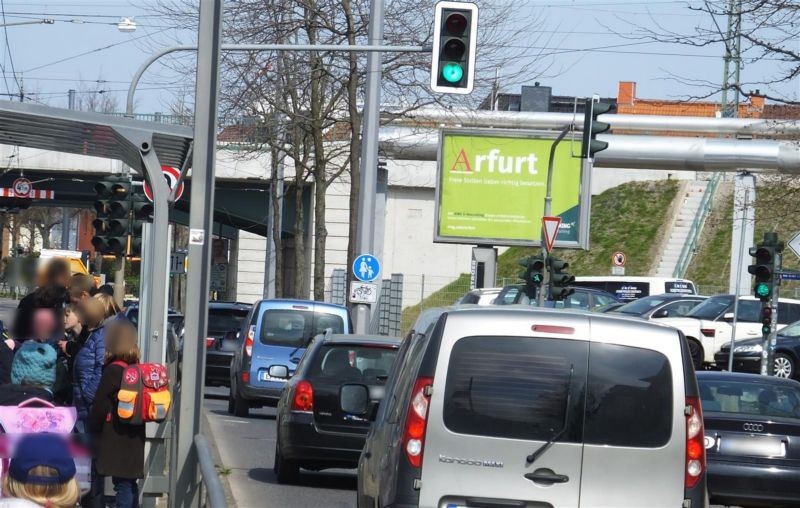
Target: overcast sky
[(593, 38)]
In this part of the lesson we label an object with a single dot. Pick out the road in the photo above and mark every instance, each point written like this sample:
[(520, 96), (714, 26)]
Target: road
[(247, 449)]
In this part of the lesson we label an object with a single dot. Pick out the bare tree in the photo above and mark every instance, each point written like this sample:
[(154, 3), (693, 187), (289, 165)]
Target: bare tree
[(93, 96), (318, 95), (769, 33)]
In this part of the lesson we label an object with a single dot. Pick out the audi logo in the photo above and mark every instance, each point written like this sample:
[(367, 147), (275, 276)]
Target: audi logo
[(753, 427)]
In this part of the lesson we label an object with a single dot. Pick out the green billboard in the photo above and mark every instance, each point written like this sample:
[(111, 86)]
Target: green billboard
[(492, 184)]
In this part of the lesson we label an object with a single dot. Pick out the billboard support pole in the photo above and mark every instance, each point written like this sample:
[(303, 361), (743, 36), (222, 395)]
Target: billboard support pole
[(548, 201)]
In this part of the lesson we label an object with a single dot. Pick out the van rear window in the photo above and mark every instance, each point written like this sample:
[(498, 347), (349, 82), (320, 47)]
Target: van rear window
[(515, 387), (294, 328), (628, 398)]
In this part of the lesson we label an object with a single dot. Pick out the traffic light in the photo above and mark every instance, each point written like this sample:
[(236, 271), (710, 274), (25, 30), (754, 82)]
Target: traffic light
[(113, 216), (560, 280), (591, 127), (766, 320), (455, 30), (765, 267), (533, 275), (141, 212)]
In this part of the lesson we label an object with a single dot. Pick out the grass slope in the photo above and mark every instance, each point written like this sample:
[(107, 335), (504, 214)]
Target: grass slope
[(628, 218), (777, 209)]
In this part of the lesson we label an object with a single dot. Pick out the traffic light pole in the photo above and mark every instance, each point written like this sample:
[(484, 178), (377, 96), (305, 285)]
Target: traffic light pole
[(548, 203)]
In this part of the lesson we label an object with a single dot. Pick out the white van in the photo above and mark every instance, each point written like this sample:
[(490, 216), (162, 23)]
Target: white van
[(627, 289)]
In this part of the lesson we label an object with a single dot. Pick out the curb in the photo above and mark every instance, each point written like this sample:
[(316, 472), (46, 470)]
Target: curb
[(206, 429)]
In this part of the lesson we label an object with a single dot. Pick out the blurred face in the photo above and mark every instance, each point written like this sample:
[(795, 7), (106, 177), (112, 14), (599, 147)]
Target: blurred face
[(76, 299), (44, 324), (71, 320)]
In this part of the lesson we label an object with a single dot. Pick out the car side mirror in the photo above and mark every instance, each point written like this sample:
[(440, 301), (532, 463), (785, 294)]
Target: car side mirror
[(354, 399), (278, 372), (661, 313), (229, 345), (728, 316)]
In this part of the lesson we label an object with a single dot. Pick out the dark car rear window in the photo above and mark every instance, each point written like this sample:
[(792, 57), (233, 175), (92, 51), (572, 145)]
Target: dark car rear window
[(226, 320), (352, 362), (628, 397), (515, 387), (293, 327), (749, 398)]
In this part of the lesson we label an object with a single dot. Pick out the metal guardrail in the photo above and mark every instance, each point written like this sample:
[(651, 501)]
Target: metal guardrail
[(697, 225), (215, 494)]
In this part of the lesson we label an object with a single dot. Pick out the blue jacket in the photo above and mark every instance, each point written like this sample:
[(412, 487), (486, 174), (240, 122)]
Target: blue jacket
[(88, 370)]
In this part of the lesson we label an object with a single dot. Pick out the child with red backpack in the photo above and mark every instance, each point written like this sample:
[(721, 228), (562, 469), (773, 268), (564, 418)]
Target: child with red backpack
[(124, 401)]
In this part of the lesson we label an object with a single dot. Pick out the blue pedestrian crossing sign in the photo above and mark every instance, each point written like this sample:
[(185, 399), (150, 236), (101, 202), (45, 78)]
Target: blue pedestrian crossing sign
[(366, 268)]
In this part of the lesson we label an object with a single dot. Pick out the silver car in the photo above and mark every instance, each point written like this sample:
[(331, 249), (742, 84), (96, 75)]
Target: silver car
[(535, 407)]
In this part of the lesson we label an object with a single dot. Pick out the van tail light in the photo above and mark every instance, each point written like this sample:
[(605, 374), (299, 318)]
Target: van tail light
[(416, 421), (209, 342), (708, 332), (245, 377), (248, 341), (303, 397), (695, 445)]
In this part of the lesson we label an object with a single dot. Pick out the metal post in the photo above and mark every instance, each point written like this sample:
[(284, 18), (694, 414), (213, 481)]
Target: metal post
[(365, 237), (65, 212), (548, 202), (184, 473), (739, 263), (119, 280)]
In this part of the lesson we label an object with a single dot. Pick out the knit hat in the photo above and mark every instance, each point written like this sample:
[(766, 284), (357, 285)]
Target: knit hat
[(42, 449), (34, 364)]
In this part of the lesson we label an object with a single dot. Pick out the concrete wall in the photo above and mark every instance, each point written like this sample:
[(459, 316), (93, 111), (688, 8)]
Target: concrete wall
[(250, 267)]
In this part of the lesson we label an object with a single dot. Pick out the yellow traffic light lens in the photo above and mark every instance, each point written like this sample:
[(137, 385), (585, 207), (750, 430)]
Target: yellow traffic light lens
[(452, 72)]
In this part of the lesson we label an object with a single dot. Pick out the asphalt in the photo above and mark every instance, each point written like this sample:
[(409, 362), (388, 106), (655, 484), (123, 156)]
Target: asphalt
[(246, 448)]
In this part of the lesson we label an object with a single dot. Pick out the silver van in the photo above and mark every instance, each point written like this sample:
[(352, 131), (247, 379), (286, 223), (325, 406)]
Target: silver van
[(524, 407)]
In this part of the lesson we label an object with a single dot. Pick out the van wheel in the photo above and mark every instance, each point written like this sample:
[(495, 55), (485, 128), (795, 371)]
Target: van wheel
[(696, 350), (783, 366), (286, 471), (241, 408)]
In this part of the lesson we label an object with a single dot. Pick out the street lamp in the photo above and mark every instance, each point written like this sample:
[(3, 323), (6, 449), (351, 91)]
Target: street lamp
[(126, 25)]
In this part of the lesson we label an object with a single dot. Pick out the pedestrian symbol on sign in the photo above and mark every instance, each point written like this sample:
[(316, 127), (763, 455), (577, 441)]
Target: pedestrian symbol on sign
[(366, 268)]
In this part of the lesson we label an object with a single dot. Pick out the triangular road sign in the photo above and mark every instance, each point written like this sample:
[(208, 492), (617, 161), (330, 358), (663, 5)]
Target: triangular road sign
[(550, 226), (794, 244)]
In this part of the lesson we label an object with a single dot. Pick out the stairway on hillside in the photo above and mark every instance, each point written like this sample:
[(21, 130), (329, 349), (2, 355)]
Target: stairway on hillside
[(680, 229)]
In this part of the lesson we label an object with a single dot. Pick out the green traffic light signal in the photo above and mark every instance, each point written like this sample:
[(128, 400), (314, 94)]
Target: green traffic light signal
[(452, 72), (762, 290)]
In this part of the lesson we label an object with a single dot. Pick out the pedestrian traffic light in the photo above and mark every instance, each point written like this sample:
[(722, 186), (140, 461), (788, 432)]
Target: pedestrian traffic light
[(766, 320), (455, 31), (560, 280), (141, 212), (591, 127), (533, 275), (113, 216)]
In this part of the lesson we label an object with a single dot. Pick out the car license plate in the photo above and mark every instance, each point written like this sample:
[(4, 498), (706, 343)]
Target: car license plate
[(752, 446)]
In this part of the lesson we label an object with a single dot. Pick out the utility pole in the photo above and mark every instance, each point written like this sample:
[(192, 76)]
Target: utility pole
[(732, 61), (365, 237), (66, 212), (184, 484)]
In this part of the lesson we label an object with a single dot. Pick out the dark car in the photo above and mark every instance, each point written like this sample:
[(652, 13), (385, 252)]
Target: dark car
[(752, 438), (313, 430), (224, 322), (580, 299), (604, 309), (174, 318), (660, 306), (747, 353)]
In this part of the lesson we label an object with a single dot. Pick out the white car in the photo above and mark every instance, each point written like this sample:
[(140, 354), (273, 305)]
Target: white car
[(710, 325), (484, 296)]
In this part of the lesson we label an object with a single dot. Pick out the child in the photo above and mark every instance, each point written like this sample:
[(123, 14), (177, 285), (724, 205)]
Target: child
[(33, 374), (120, 446), (88, 365), (41, 473)]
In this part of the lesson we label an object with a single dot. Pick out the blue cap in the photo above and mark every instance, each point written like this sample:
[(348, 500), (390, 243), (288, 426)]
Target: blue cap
[(41, 449)]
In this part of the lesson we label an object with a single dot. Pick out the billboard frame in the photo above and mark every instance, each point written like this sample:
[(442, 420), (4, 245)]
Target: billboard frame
[(584, 193)]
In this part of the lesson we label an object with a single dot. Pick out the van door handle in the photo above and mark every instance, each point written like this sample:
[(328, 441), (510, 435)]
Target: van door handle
[(546, 476)]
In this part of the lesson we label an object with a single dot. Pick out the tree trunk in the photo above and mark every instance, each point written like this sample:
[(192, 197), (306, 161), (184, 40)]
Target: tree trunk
[(277, 219), (299, 243)]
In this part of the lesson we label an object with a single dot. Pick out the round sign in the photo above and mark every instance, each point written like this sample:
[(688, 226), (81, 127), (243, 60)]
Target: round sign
[(171, 174), (618, 259), (22, 187)]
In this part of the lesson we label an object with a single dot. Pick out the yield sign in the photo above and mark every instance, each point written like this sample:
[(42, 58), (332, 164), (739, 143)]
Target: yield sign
[(550, 227), (794, 244)]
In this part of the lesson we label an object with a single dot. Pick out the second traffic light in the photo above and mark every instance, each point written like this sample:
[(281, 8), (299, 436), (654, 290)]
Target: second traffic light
[(591, 127), (560, 280), (533, 275), (766, 266), (113, 221), (455, 31)]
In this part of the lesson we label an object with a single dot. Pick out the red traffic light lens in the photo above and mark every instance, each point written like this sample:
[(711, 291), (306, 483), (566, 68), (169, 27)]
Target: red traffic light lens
[(766, 312), (456, 23), (763, 255), (454, 48)]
